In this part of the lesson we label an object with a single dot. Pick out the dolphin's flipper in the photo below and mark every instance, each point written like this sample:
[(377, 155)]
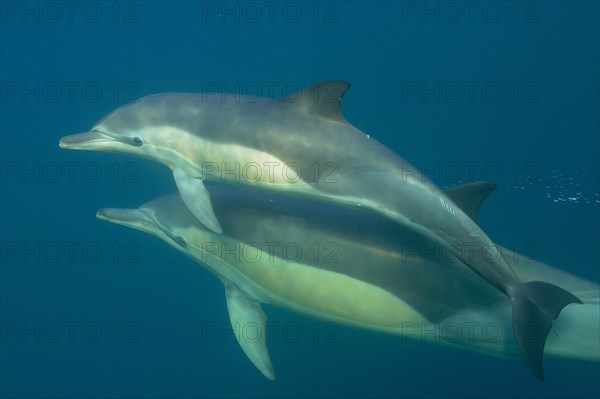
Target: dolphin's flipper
[(197, 199), (533, 311), (249, 325)]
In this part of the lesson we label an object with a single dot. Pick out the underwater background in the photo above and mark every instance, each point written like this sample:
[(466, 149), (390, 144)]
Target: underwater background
[(467, 91)]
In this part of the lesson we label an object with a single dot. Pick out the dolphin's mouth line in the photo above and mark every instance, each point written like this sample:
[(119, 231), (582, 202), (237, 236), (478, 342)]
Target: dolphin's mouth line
[(90, 140), (103, 136), (82, 140), (147, 221)]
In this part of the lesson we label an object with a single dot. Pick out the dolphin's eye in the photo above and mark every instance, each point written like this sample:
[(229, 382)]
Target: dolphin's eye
[(136, 141), (180, 241)]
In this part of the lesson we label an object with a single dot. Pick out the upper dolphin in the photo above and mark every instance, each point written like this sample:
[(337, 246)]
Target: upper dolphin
[(302, 145)]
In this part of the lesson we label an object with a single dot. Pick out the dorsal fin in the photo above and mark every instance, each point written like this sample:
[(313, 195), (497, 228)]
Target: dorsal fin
[(322, 99), (470, 196)]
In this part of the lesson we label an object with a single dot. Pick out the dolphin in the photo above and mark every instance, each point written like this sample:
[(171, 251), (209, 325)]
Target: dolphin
[(303, 146), (351, 266)]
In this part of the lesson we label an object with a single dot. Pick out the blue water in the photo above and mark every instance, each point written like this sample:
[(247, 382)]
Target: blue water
[(501, 90)]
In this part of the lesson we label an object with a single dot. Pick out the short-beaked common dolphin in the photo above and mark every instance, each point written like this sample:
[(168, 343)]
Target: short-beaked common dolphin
[(354, 267), (303, 145)]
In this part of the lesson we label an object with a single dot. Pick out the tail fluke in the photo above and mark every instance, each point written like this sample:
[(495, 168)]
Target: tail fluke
[(533, 311)]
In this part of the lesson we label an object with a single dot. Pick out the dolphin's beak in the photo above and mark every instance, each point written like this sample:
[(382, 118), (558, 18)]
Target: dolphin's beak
[(127, 217), (83, 141), (134, 218), (137, 219)]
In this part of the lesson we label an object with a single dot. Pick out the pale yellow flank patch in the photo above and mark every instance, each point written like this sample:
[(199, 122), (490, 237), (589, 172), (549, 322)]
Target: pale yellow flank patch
[(226, 162), (331, 293)]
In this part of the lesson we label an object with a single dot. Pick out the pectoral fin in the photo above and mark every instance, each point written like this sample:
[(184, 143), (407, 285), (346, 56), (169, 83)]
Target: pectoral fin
[(197, 199), (248, 322)]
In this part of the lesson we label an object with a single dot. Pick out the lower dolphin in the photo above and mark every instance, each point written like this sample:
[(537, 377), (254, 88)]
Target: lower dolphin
[(348, 266)]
